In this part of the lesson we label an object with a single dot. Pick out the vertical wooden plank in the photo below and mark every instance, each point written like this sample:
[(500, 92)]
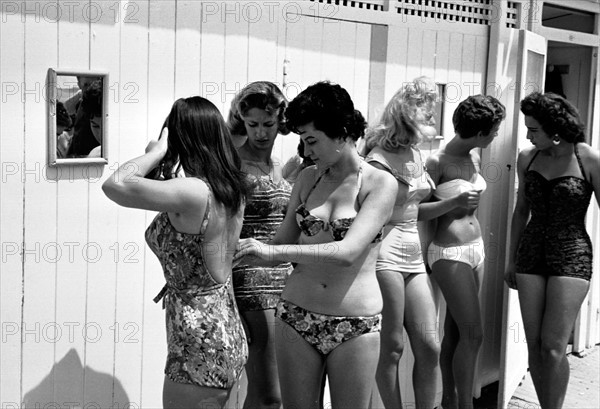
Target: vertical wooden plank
[(294, 55), (442, 52), (128, 300), (72, 226), (212, 54), (99, 381), (262, 44), (161, 88), (285, 145), (492, 287), (292, 39), (236, 52), (12, 61), (479, 70), (187, 48), (39, 272), (453, 87), (331, 51), (467, 79), (346, 57), (415, 53), (312, 49), (428, 57), (397, 59), (371, 57)]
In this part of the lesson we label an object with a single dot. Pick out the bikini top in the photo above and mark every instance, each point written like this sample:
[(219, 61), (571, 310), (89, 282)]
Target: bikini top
[(311, 225), (455, 187)]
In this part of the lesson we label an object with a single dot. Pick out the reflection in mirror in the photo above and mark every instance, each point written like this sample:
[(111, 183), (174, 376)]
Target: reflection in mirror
[(77, 117)]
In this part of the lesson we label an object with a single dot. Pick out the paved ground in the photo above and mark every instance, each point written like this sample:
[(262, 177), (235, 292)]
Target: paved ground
[(584, 385), (583, 391)]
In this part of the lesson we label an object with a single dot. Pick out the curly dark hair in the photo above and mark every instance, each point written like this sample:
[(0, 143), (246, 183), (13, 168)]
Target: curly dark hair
[(331, 110), (91, 100), (477, 113), (555, 114), (262, 95), (62, 116)]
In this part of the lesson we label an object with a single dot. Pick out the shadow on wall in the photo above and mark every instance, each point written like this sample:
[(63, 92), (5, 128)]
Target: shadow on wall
[(63, 388)]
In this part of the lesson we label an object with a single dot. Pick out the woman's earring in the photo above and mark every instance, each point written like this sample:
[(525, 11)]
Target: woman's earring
[(556, 141)]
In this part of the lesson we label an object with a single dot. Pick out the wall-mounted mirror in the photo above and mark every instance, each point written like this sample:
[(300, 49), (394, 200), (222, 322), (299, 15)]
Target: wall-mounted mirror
[(77, 117)]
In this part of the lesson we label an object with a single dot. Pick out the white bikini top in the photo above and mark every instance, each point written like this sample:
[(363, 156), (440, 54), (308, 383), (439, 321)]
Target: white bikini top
[(455, 187)]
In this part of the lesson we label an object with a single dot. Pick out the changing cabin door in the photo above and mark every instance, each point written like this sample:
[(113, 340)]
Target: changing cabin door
[(513, 356)]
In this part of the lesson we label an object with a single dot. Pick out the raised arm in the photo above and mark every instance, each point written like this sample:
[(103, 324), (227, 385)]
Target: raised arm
[(519, 219), (128, 187)]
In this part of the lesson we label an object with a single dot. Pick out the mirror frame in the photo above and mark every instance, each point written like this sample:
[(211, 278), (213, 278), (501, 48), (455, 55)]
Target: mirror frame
[(52, 93)]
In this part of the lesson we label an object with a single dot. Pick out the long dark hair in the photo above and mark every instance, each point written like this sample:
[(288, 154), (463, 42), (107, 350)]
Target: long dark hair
[(200, 143)]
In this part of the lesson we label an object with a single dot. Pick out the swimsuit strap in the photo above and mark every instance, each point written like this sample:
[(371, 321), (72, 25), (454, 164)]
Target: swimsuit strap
[(383, 162), (359, 183), (204, 224), (579, 161), (315, 185), (532, 159)]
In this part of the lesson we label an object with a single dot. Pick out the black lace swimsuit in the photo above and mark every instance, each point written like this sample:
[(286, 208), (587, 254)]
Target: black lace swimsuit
[(555, 242)]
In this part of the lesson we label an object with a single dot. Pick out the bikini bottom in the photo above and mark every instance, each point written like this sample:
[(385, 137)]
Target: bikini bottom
[(471, 253), (325, 332)]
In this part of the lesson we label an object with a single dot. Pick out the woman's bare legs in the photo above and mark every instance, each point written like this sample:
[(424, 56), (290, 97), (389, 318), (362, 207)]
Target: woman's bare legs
[(187, 396), (391, 284), (459, 284), (420, 321), (351, 370), (449, 343), (549, 308), (301, 369), (261, 368)]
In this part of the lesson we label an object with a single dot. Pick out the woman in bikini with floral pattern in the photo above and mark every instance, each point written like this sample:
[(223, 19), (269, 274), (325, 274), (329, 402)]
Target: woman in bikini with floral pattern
[(330, 308)]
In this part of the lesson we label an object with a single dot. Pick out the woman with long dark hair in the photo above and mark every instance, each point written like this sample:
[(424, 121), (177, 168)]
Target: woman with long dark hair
[(194, 237)]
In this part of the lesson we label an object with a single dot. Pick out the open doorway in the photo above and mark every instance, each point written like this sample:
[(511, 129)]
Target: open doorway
[(569, 72)]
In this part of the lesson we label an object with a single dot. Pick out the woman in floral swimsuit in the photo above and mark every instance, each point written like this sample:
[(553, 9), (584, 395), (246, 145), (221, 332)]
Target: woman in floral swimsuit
[(329, 315), (257, 112), (194, 237), (551, 254)]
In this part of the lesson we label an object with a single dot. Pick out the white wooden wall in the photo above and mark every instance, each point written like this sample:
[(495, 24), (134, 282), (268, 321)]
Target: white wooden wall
[(77, 281)]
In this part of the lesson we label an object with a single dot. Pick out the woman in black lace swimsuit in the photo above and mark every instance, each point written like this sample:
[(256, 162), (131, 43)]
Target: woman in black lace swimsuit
[(551, 255)]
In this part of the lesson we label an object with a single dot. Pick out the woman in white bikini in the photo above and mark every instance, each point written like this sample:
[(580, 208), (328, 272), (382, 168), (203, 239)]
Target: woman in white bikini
[(457, 252)]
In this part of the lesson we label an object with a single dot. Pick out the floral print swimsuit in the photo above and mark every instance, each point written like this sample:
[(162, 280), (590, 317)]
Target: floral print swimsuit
[(311, 225), (325, 332), (206, 341)]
